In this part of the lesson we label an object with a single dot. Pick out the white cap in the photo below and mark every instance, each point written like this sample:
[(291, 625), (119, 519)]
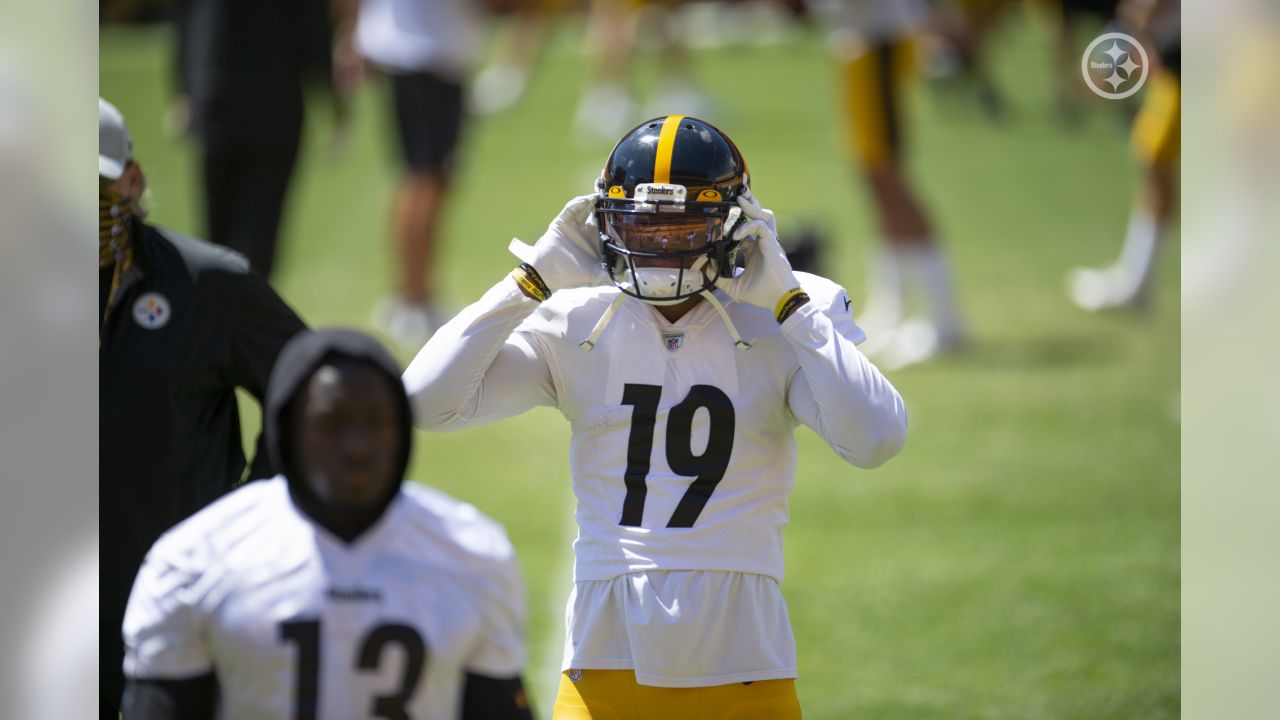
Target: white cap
[(115, 146)]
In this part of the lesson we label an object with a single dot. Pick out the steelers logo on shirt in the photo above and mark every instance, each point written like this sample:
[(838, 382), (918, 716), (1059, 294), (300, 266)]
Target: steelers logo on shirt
[(152, 311)]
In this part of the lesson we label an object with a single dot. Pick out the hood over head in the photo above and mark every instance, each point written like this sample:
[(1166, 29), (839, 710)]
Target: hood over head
[(298, 361)]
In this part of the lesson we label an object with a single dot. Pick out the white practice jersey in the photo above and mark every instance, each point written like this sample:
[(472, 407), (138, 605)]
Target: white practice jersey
[(682, 456), (438, 36), (298, 624), (683, 448)]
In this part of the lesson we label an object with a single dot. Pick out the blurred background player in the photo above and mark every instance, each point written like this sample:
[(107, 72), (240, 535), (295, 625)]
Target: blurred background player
[(182, 324), (962, 31), (519, 44), (427, 50), (875, 43), (1157, 131), (333, 590), (609, 105), (242, 69), (1076, 23), (684, 377)]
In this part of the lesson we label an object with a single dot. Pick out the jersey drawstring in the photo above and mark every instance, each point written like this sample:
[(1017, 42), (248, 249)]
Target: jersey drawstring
[(738, 342), (590, 342)]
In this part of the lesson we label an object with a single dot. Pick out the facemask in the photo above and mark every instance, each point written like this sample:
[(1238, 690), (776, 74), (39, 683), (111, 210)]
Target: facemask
[(666, 282)]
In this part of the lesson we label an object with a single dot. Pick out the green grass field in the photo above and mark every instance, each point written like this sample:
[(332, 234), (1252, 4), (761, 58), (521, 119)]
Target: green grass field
[(1019, 560)]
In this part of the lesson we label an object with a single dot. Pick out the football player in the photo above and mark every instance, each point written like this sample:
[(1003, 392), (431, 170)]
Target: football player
[(659, 314), (1157, 130), (333, 590), (875, 40)]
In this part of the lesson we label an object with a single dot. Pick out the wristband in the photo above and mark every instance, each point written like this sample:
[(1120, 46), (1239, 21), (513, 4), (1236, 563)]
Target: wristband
[(530, 282), (794, 298)]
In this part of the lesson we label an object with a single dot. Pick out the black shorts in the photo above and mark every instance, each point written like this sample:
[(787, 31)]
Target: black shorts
[(428, 118), (1097, 8)]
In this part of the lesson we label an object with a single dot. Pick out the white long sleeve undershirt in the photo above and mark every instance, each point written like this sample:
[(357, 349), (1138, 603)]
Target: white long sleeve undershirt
[(476, 369)]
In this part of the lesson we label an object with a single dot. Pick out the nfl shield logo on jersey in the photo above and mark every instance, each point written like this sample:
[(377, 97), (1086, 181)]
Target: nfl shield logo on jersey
[(673, 341)]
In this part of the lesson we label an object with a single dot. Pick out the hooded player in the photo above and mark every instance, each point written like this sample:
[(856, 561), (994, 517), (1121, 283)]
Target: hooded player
[(334, 590)]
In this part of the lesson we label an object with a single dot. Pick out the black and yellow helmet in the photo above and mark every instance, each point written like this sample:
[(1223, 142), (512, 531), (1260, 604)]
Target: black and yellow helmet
[(668, 197)]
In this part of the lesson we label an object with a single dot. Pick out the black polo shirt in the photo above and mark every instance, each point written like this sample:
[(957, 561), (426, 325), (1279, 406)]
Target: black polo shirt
[(193, 324)]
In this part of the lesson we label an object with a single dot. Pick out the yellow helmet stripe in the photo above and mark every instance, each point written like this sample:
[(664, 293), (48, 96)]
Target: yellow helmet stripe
[(666, 146)]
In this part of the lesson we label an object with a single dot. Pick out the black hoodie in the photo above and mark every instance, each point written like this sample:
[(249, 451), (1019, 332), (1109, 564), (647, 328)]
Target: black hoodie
[(298, 361)]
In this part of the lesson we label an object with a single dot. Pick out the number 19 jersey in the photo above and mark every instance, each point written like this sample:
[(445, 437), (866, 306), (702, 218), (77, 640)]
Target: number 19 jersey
[(682, 451)]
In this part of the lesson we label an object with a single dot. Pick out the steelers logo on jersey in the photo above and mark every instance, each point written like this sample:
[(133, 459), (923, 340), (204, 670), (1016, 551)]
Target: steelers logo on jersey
[(152, 311)]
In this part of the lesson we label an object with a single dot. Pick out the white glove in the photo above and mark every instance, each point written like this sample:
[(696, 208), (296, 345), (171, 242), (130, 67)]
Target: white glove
[(753, 210), (766, 275), (568, 253)]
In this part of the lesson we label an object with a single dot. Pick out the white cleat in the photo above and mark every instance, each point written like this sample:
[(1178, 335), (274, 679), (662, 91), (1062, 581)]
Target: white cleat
[(409, 324), (604, 113), (912, 342), (680, 98), (497, 88), (1098, 289)]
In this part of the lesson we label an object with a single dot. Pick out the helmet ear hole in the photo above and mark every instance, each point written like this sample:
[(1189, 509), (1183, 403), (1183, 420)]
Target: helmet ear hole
[(732, 254)]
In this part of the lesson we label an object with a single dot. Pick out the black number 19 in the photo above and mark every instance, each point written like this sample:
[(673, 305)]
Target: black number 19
[(707, 469)]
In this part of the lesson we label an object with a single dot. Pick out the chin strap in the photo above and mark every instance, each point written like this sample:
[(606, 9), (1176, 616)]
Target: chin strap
[(590, 342), (738, 342)]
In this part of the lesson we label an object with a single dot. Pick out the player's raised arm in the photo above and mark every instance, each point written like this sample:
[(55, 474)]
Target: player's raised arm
[(837, 392), (476, 368)]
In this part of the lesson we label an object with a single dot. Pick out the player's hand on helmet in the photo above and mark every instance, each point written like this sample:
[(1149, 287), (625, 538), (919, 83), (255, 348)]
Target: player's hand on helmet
[(568, 253), (767, 275), (751, 208)]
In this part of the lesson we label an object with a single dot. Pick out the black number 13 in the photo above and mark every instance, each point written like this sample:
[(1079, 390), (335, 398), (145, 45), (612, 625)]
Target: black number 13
[(306, 635), (707, 469)]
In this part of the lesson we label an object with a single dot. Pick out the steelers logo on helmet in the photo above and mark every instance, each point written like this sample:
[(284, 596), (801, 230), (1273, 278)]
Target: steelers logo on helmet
[(667, 209)]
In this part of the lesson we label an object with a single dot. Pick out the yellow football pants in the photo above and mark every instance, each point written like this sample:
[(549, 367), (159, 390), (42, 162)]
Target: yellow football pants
[(615, 695), (875, 81)]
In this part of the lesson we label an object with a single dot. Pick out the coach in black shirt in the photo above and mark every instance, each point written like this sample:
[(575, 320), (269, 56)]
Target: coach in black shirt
[(182, 324)]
